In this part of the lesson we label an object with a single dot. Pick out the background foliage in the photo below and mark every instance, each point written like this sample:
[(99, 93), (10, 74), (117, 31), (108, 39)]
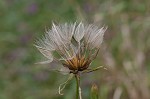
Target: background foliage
[(125, 51)]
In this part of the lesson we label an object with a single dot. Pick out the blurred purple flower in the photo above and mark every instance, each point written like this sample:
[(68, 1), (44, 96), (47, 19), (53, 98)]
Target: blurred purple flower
[(32, 8), (87, 8), (25, 38)]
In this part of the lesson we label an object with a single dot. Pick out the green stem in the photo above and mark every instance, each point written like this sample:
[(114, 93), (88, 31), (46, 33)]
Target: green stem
[(95, 69), (77, 85)]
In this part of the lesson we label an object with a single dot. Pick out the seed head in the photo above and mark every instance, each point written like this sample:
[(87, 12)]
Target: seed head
[(74, 46)]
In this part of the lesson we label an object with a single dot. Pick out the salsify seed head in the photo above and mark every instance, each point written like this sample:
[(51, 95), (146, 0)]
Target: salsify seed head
[(72, 45)]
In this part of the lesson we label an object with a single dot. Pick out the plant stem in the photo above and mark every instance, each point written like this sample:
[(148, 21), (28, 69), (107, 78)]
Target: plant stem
[(95, 69), (78, 90)]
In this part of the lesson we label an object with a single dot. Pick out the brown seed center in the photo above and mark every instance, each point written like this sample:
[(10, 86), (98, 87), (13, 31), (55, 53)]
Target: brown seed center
[(77, 63)]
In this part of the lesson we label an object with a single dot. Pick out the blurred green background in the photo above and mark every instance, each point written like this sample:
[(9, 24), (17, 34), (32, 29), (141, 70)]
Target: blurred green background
[(125, 51)]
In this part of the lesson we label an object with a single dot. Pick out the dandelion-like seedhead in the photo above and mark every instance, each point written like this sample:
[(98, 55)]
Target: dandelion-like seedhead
[(72, 46)]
